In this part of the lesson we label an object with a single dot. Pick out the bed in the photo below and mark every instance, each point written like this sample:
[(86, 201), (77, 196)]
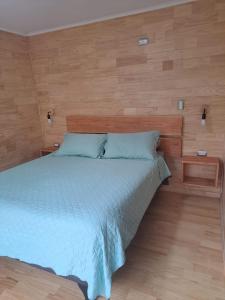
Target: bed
[(77, 215)]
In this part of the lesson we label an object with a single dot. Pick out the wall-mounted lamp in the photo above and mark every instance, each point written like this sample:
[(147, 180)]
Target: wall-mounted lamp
[(203, 117), (50, 115), (180, 104), (143, 41)]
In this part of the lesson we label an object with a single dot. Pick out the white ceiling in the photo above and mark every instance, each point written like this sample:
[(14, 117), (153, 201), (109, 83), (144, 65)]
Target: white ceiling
[(28, 17)]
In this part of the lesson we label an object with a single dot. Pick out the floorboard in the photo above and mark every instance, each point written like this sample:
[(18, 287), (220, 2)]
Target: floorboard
[(176, 255)]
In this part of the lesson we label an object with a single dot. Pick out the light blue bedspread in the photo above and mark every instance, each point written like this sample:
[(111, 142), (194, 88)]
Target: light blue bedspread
[(76, 215)]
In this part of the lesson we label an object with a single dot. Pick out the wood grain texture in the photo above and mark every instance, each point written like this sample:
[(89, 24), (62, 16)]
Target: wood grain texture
[(202, 165), (170, 128), (201, 160), (20, 133), (176, 255), (176, 184), (222, 214), (167, 125), (98, 69), (171, 147)]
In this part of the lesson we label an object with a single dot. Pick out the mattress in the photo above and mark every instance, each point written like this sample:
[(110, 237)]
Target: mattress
[(76, 215)]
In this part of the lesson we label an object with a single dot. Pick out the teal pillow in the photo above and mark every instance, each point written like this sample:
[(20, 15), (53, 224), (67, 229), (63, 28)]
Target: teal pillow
[(132, 145), (90, 145)]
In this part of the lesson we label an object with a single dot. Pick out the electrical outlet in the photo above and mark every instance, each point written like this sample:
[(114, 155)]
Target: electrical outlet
[(202, 153)]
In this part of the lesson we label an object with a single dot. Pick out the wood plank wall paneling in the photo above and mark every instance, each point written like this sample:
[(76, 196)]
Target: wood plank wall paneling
[(20, 133), (98, 69)]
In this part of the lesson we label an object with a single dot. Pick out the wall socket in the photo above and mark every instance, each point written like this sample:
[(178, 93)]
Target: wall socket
[(202, 153)]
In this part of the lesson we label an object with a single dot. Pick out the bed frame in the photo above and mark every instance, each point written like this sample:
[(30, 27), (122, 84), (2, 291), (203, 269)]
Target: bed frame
[(170, 127)]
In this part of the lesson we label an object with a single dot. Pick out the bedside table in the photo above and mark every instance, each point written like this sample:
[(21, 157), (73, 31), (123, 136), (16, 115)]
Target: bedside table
[(204, 162), (48, 150)]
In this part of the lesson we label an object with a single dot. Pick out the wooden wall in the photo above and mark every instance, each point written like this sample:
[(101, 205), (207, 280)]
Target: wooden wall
[(99, 69), (20, 133)]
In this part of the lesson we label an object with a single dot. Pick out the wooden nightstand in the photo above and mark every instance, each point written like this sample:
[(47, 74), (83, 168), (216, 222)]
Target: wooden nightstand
[(48, 150), (207, 165)]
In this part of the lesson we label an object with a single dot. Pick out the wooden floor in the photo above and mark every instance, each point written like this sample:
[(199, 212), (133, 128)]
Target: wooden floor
[(176, 255)]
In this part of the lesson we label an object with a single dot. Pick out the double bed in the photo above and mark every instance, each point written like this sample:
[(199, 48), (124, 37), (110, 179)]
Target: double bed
[(77, 215)]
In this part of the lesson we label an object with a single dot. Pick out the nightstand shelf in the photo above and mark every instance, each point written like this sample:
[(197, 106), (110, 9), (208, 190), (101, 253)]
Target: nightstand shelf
[(48, 150), (198, 181), (209, 163)]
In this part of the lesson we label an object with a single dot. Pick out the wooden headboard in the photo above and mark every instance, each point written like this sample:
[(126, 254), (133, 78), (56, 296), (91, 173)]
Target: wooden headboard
[(170, 128)]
